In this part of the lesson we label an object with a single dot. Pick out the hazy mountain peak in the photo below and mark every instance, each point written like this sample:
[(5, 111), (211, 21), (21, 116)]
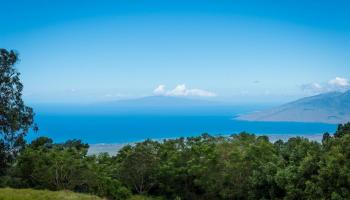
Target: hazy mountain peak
[(332, 107), (164, 101)]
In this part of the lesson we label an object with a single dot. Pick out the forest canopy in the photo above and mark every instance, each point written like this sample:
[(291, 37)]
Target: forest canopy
[(242, 166)]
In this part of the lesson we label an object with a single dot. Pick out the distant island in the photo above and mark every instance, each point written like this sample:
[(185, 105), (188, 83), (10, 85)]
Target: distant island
[(332, 107)]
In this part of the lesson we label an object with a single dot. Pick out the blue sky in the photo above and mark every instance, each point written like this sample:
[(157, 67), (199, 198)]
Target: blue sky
[(239, 51)]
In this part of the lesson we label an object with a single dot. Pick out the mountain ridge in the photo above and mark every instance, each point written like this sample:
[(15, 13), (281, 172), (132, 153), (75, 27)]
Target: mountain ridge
[(150, 105), (332, 107), (163, 101)]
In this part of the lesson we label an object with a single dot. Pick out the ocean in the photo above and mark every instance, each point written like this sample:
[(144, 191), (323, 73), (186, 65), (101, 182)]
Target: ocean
[(118, 129)]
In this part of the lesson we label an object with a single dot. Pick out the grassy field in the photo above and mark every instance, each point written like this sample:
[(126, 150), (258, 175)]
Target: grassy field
[(30, 194), (138, 197)]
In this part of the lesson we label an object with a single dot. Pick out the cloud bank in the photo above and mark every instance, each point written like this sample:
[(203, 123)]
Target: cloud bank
[(339, 82), (182, 90), (336, 84)]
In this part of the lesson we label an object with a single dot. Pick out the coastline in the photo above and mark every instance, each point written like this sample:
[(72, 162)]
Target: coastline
[(113, 148)]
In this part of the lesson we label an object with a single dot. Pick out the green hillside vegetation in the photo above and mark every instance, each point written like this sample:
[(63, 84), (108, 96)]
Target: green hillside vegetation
[(30, 194), (242, 166)]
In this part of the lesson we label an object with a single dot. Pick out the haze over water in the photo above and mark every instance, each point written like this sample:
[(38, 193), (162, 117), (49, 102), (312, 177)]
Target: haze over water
[(136, 127)]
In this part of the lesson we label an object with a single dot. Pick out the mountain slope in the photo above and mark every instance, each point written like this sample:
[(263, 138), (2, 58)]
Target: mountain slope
[(331, 107), (160, 101), (159, 105), (32, 194)]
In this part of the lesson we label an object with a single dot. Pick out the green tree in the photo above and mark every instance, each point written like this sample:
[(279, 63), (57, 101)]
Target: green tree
[(46, 165), (242, 163), (55, 168), (297, 174), (186, 165), (139, 166), (343, 129), (16, 117), (334, 173)]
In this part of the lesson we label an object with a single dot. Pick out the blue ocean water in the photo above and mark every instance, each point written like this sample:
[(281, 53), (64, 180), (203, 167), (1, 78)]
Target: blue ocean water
[(130, 128)]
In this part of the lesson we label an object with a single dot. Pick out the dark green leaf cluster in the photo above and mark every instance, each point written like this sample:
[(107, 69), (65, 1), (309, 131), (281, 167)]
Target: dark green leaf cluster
[(46, 165), (242, 166), (15, 117)]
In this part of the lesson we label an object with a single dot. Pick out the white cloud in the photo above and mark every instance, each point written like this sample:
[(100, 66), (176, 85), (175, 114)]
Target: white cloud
[(312, 87), (179, 90), (336, 84), (339, 82), (182, 90), (160, 90)]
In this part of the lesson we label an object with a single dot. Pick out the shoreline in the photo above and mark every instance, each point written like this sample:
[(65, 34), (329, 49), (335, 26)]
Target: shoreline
[(113, 148)]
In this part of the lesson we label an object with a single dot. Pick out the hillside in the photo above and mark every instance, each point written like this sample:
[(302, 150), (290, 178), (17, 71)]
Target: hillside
[(162, 105), (333, 107), (160, 101), (31, 194)]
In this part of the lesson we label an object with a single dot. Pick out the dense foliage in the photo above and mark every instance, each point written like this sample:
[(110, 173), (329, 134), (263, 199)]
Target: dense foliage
[(15, 117), (31, 194), (242, 166)]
